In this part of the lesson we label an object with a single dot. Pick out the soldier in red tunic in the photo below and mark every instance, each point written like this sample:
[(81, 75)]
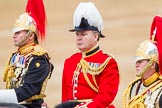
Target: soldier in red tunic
[(90, 77)]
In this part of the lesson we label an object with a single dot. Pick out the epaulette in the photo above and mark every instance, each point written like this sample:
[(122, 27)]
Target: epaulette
[(109, 54), (39, 51)]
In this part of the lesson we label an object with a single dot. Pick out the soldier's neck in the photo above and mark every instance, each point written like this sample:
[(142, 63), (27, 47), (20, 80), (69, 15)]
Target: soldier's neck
[(92, 51)]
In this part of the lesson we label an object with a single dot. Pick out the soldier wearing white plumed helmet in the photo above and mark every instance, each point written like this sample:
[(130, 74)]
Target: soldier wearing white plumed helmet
[(87, 17), (145, 90), (28, 69), (90, 76)]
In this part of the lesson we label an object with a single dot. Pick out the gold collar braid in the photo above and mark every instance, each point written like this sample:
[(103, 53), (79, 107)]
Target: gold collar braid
[(151, 79), (26, 49)]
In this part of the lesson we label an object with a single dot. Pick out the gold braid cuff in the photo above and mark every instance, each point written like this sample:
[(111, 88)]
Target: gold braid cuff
[(40, 96)]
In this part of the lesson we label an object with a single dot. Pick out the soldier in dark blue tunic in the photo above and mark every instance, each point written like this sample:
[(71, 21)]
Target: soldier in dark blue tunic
[(28, 69)]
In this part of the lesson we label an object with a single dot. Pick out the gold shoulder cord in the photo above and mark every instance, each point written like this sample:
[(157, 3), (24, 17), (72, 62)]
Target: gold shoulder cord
[(8, 73), (138, 100), (86, 68), (5, 74)]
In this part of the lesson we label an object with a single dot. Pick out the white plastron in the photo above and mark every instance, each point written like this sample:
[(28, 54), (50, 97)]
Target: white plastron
[(89, 12)]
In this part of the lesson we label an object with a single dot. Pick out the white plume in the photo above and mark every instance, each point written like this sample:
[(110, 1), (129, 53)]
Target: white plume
[(89, 12)]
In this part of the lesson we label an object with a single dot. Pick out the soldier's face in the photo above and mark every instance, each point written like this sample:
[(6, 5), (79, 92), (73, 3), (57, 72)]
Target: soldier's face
[(140, 64), (85, 40), (19, 38)]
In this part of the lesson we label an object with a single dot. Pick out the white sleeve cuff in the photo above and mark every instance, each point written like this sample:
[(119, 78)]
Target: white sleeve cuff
[(8, 96)]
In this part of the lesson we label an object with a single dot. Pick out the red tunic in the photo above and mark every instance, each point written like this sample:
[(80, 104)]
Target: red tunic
[(107, 81)]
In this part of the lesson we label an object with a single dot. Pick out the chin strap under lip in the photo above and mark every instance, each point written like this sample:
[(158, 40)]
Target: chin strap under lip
[(27, 35), (147, 66)]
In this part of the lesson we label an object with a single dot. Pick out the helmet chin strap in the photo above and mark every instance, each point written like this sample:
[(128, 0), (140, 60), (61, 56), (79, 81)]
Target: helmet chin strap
[(148, 65), (27, 35)]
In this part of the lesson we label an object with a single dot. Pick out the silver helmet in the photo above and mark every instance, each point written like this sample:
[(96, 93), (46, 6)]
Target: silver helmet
[(147, 50)]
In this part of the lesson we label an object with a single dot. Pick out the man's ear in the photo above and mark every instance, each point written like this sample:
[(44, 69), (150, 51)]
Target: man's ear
[(96, 36), (153, 65), (32, 36)]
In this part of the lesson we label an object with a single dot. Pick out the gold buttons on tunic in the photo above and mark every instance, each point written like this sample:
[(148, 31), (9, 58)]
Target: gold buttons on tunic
[(37, 65)]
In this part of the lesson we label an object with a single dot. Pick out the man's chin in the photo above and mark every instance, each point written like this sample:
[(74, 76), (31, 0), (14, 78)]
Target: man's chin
[(81, 49), (16, 44), (138, 74)]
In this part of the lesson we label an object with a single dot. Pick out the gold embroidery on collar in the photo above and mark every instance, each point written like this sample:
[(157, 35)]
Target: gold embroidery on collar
[(26, 49), (151, 79)]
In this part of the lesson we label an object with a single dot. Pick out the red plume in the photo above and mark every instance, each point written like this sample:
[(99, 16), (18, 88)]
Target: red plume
[(156, 35), (36, 10)]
